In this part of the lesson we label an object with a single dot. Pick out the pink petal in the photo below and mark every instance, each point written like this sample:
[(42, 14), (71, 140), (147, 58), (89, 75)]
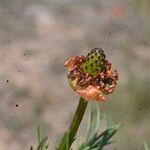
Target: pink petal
[(69, 64), (91, 93)]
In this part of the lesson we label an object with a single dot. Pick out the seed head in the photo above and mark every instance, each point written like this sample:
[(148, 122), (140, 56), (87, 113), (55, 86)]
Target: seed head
[(94, 62), (91, 76)]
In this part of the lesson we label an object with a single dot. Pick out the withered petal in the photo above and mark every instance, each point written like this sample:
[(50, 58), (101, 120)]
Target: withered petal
[(69, 64), (90, 93), (90, 80)]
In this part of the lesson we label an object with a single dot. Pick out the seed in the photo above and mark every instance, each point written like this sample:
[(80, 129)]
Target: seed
[(91, 64), (99, 57), (88, 54), (93, 50), (103, 56), (96, 61), (85, 67), (100, 51), (92, 57)]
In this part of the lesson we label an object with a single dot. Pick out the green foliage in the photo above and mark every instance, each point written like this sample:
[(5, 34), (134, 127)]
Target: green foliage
[(92, 125), (42, 141), (146, 146), (69, 136), (97, 141), (93, 140), (67, 141)]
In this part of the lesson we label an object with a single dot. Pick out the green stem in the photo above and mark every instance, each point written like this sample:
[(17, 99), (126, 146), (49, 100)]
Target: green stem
[(68, 138)]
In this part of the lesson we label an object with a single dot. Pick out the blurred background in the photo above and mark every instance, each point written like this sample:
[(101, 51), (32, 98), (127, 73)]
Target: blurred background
[(36, 37)]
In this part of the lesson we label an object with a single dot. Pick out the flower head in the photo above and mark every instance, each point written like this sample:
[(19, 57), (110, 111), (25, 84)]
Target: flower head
[(91, 76)]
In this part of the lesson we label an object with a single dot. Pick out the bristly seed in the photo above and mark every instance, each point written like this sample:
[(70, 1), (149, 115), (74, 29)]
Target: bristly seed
[(92, 57), (96, 61), (93, 50), (91, 64)]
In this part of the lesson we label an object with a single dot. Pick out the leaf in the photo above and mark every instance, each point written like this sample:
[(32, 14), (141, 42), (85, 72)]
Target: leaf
[(102, 139), (38, 134), (31, 148), (107, 135), (146, 146), (97, 117), (78, 141), (42, 143), (90, 118), (67, 141), (95, 141), (93, 119), (95, 148), (46, 147)]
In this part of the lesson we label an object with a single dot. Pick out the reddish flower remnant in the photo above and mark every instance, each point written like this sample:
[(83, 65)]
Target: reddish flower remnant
[(91, 76)]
